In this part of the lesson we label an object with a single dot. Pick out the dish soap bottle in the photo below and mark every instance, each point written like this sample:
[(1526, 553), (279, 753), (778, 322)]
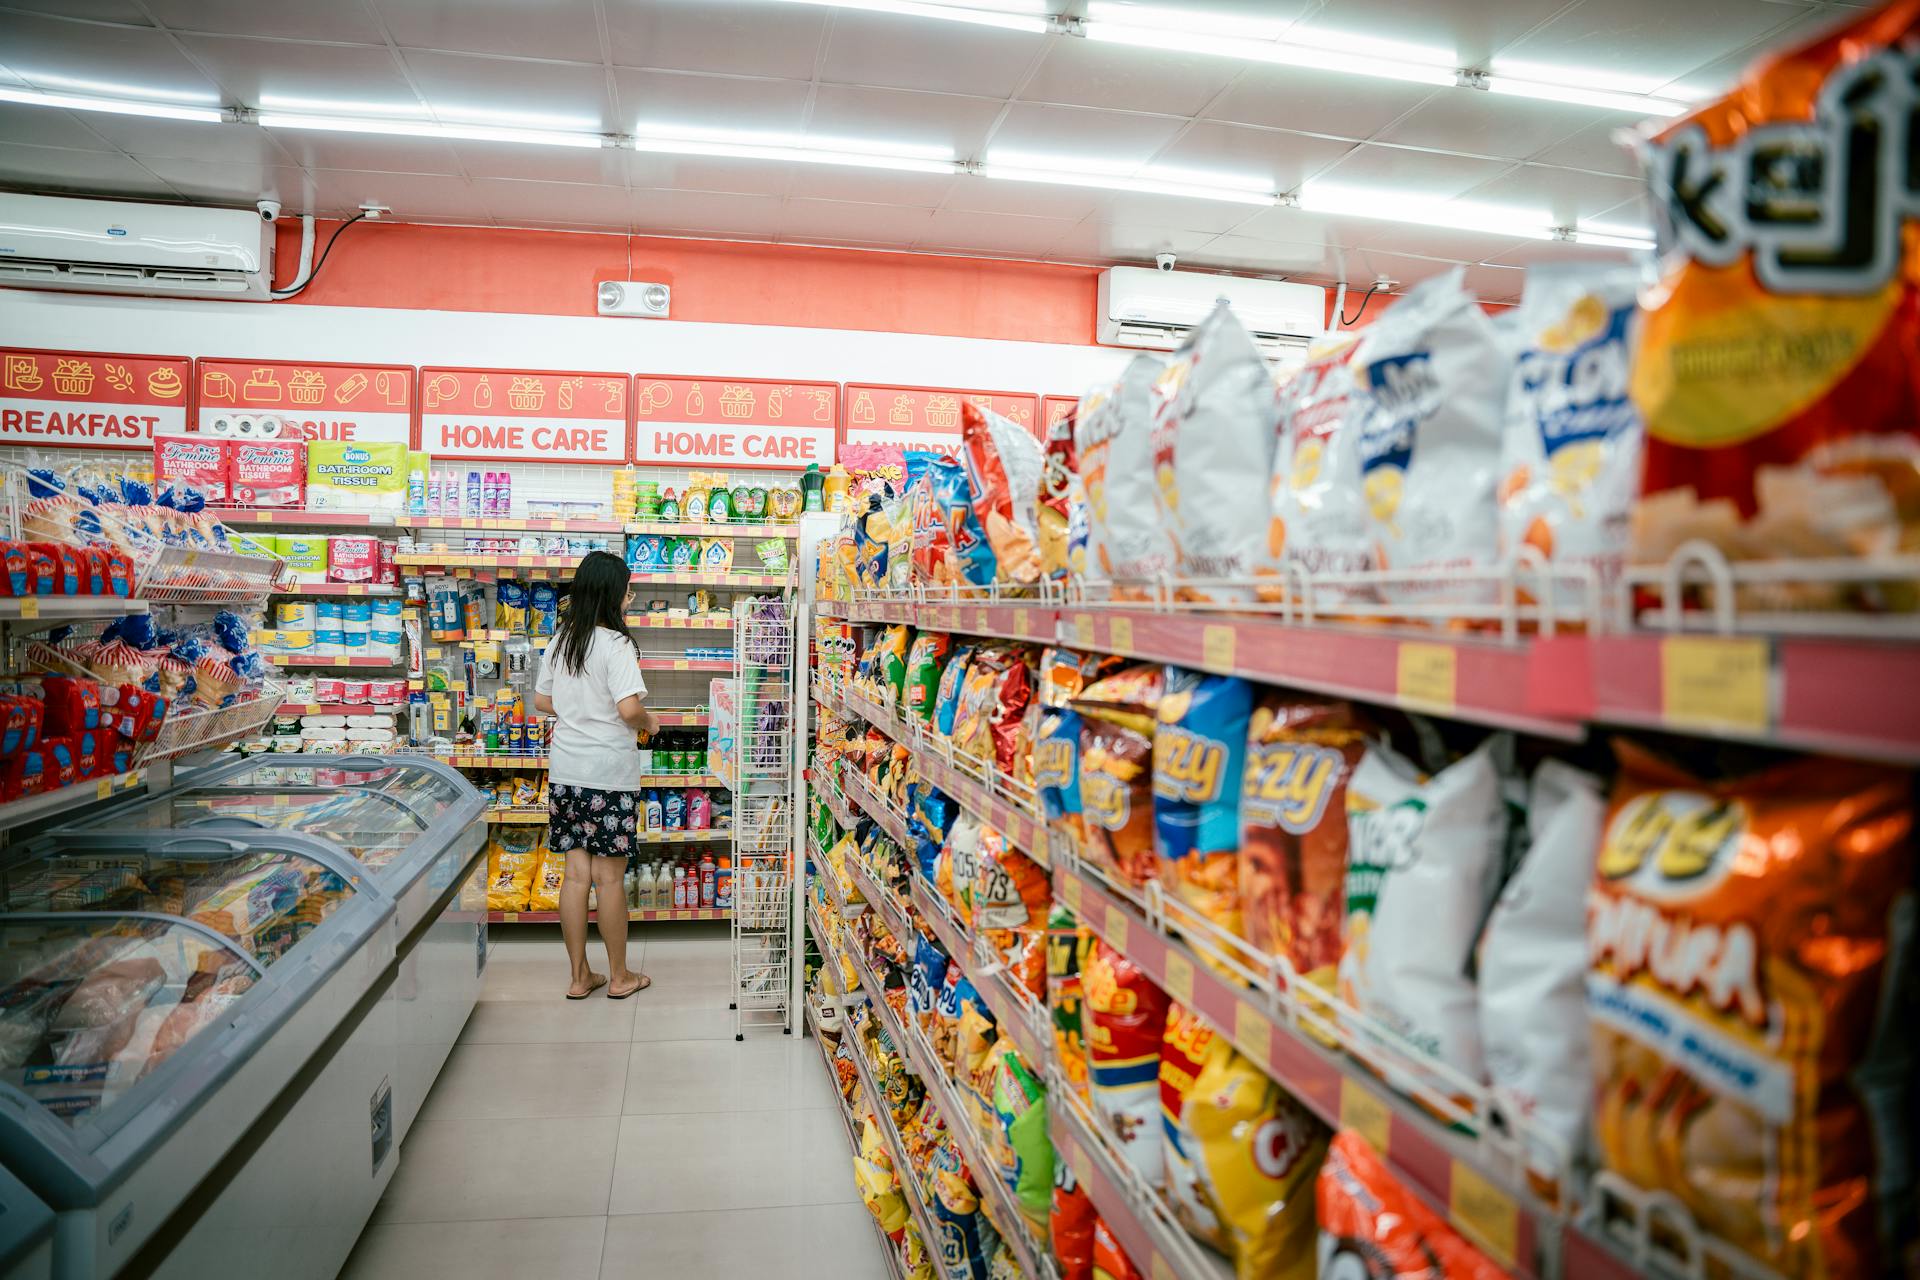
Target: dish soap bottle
[(810, 489), (838, 482), (669, 506)]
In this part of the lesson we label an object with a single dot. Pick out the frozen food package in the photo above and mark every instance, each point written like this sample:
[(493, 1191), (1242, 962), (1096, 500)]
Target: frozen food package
[(1317, 521), (1125, 1018), (1003, 470), (1750, 986), (1372, 1228), (1186, 1045), (1127, 543), (1434, 374), (1213, 444), (1199, 748), (1775, 367), (1532, 966), (1060, 517), (1118, 715), (1570, 454), (1423, 858), (1293, 829)]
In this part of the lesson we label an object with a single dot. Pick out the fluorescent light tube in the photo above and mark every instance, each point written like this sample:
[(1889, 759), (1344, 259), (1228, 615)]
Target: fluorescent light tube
[(1008, 21), (1612, 239), (1390, 206), (802, 155), (1254, 49), (118, 106), (428, 129), (1121, 182), (1645, 104)]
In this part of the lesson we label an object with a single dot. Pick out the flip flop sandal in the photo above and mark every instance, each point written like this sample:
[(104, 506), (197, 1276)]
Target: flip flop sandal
[(589, 991), (638, 987)]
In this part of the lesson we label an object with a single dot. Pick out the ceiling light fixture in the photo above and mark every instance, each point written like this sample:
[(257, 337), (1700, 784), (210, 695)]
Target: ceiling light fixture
[(1611, 239), (427, 129), (118, 106), (1580, 95), (1389, 206), (1145, 184), (1262, 49), (1006, 19), (858, 158)]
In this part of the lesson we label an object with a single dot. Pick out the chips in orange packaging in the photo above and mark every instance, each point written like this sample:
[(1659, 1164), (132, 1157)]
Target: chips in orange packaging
[(1070, 1225), (1372, 1228), (1117, 720), (1776, 367), (1750, 986), (1110, 1261)]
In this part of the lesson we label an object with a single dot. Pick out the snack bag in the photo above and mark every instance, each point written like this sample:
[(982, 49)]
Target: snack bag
[(1186, 1045), (1199, 749), (923, 984), (546, 885), (966, 1238), (1068, 946), (946, 707), (1570, 454), (872, 543), (975, 720), (1750, 987), (874, 1174), (1060, 517), (926, 661), (1434, 374), (890, 661), (1532, 966), (511, 865), (1213, 454), (1110, 1261), (1423, 856), (1117, 720), (1020, 1106), (1070, 1225), (1003, 471), (1113, 435), (1372, 1228), (1293, 829), (1801, 435), (1125, 1017), (1318, 512), (1011, 728)]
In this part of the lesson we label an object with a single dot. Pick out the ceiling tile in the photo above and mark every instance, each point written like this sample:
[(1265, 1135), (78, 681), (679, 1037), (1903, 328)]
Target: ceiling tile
[(45, 127), (1488, 124), (318, 149), (1379, 235), (698, 35), (1494, 283), (1531, 253), (604, 166), (547, 29), (1214, 216), (696, 173), (1398, 171), (681, 99), (517, 203), (97, 172), (884, 116), (179, 139), (1032, 199), (293, 19), (1471, 30), (911, 53), (1295, 226), (1096, 240), (548, 95), (411, 196), (874, 186), (1563, 196), (1318, 101), (709, 212), (1093, 73), (993, 233), (1718, 76), (878, 224), (236, 182), (1283, 160), (1596, 147), (1266, 257), (86, 57), (1645, 43), (98, 10), (1082, 137), (308, 77)]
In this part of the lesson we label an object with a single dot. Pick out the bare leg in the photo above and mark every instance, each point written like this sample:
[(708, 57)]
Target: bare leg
[(573, 920), (609, 879)]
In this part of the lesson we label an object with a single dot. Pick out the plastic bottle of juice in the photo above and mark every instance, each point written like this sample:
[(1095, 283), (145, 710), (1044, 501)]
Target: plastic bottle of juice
[(643, 886)]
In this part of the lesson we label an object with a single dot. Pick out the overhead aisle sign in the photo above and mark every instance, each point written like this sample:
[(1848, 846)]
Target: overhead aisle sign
[(91, 399), (525, 415), (738, 422), (315, 399), (925, 417)]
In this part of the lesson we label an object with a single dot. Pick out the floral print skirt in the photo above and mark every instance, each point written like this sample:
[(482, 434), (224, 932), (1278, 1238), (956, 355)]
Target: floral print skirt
[(601, 823)]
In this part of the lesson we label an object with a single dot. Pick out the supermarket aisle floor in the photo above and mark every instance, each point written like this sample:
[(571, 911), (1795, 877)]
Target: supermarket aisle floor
[(636, 1138)]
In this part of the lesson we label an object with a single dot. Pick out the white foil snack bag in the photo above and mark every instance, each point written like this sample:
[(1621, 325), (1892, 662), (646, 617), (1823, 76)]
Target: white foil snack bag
[(1213, 454), (1126, 538), (1533, 972), (1422, 855), (1434, 373), (1318, 514), (1570, 459)]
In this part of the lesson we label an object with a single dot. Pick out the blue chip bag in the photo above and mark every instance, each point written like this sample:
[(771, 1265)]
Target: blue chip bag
[(972, 555), (929, 814), (1199, 752), (947, 705), (925, 982), (967, 1240), (1056, 766)]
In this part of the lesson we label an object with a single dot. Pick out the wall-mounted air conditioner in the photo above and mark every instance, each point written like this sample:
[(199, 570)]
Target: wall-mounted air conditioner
[(1151, 309), (109, 246)]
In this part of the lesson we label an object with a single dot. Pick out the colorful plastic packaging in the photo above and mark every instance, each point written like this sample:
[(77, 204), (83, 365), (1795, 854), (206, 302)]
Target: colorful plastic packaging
[(1199, 749), (1117, 721), (1372, 1228), (1125, 1017), (1003, 469), (1068, 946), (1113, 434), (1061, 514), (1318, 513), (1020, 1105), (1070, 1225), (926, 662)]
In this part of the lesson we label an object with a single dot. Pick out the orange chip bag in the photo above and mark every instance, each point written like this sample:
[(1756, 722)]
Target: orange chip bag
[(1776, 367), (1372, 1228), (1747, 946), (1117, 718)]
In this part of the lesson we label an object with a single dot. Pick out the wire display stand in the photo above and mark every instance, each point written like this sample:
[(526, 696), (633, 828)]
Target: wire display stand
[(764, 817)]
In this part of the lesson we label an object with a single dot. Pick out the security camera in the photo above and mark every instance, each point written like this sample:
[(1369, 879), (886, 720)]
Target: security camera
[(1165, 261), (269, 209)]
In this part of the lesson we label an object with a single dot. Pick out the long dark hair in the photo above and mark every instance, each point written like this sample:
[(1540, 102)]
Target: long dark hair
[(598, 598)]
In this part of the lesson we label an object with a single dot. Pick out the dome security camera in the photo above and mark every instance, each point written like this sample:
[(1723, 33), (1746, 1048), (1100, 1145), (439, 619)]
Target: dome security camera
[(269, 209), (1164, 261)]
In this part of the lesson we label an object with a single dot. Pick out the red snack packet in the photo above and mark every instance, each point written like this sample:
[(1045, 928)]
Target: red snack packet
[(14, 572), (1110, 1261), (43, 569), (59, 769), (1070, 1225), (1012, 736), (116, 753), (1060, 516), (119, 574), (1125, 1017), (23, 774), (1008, 527), (86, 755), (70, 571), (1372, 1227), (93, 564)]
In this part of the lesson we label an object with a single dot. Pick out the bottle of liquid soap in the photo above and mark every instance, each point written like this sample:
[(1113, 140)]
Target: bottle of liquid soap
[(836, 487), (708, 880)]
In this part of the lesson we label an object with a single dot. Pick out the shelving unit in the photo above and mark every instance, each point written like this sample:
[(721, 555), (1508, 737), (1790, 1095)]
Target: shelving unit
[(645, 915)]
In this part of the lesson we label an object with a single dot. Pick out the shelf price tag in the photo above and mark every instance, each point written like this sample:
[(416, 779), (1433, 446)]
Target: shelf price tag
[(980, 621), (1070, 893), (1083, 631), (1426, 674), (1484, 1213), (29, 607), (1179, 982), (1020, 624), (263, 517), (1217, 646), (1120, 633), (1253, 1033), (1116, 930), (103, 788), (1715, 682), (1161, 1269), (1362, 1111)]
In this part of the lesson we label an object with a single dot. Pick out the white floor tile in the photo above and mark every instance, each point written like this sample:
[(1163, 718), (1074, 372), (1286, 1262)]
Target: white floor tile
[(818, 1242), (762, 1074), (703, 1019), (474, 1170), (556, 1021), (500, 1249), (689, 1161), (529, 1081)]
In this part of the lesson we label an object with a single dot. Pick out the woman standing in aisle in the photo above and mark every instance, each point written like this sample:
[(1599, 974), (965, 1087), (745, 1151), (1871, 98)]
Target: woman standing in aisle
[(590, 682)]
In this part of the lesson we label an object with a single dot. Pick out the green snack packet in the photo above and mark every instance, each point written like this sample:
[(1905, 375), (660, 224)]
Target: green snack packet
[(1020, 1104), (893, 658), (926, 662), (772, 553)]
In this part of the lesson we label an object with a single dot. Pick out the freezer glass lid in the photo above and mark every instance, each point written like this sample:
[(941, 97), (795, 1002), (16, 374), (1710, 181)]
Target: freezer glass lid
[(374, 828), (91, 1003)]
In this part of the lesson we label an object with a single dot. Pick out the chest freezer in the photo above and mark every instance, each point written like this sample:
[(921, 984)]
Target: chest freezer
[(26, 1232), (161, 994)]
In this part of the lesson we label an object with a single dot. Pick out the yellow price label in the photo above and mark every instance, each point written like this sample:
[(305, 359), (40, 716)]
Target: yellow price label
[(680, 664), (263, 517), (1426, 674), (461, 571), (1116, 930), (1716, 682), (1020, 623), (30, 608), (103, 788), (1161, 1269), (1362, 1111), (1083, 631), (1217, 646), (356, 590), (433, 652), (1179, 982), (1484, 1213), (133, 780), (1070, 893), (1120, 633), (510, 917), (980, 620), (1253, 1033)]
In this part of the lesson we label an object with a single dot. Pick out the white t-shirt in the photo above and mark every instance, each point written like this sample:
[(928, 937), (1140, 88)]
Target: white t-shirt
[(592, 746)]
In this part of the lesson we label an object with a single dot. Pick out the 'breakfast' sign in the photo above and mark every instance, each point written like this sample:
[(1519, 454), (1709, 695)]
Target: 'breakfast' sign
[(90, 399)]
